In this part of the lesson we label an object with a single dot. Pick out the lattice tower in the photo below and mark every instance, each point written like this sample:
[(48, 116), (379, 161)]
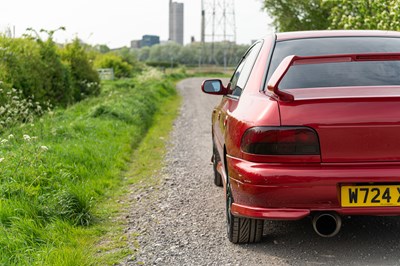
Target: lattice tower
[(218, 23)]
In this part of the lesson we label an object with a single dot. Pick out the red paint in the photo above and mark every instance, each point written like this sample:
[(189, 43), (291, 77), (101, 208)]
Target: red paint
[(358, 130)]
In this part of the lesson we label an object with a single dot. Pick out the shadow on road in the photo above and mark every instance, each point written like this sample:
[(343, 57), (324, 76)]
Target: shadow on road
[(362, 240)]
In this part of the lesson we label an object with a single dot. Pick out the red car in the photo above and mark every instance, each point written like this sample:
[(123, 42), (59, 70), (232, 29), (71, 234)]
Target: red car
[(309, 125)]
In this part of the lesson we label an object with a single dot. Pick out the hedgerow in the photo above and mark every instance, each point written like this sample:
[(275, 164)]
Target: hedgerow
[(46, 71)]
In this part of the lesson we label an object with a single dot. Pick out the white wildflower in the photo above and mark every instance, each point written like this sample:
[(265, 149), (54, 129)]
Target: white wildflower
[(1, 159), (11, 136), (26, 137), (44, 148), (3, 141)]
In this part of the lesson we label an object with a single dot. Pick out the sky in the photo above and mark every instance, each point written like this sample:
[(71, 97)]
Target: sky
[(115, 23)]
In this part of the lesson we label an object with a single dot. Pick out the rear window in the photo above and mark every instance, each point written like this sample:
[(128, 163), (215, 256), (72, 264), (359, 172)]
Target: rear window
[(337, 74)]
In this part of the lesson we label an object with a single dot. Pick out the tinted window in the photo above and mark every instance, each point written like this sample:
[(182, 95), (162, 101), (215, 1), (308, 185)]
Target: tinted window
[(338, 74), (242, 73)]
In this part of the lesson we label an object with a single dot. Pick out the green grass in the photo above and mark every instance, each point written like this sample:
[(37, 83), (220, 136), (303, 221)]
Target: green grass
[(147, 161), (59, 191)]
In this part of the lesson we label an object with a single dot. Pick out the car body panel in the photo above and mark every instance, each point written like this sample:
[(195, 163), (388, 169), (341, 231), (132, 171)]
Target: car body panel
[(357, 126), (315, 187), (350, 138)]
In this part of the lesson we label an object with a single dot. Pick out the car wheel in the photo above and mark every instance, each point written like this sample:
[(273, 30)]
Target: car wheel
[(241, 230), (217, 175)]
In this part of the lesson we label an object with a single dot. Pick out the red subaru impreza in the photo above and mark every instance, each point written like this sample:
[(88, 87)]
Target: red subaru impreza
[(309, 125)]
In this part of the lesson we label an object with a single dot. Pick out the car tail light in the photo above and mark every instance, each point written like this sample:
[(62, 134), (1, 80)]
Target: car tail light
[(280, 141)]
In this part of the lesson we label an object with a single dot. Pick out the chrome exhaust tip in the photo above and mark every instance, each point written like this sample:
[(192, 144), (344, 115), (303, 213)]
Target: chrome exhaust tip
[(327, 224)]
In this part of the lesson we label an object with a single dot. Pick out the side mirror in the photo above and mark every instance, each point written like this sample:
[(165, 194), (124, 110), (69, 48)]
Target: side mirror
[(213, 86)]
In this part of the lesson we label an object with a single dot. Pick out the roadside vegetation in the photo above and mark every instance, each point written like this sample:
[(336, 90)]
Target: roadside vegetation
[(295, 15), (66, 140), (57, 170)]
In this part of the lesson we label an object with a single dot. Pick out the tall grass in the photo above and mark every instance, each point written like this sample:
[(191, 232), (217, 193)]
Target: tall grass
[(53, 172)]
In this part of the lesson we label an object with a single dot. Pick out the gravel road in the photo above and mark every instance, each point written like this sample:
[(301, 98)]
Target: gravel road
[(181, 220)]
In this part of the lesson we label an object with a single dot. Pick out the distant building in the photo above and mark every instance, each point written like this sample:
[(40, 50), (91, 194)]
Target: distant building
[(147, 40), (150, 40), (176, 22), (136, 44)]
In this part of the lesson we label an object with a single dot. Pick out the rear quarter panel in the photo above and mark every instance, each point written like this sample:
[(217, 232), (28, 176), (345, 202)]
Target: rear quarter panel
[(254, 107)]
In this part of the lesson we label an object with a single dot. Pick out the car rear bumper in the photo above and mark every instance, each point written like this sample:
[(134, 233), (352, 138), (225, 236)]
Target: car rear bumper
[(291, 192)]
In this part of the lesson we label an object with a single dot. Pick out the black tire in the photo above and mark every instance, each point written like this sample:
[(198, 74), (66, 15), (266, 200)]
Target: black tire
[(242, 230), (217, 175)]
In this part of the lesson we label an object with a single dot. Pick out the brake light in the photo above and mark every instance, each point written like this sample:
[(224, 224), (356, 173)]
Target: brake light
[(280, 141)]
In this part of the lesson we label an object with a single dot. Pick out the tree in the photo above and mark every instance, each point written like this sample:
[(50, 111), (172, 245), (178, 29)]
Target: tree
[(102, 48), (295, 15), (367, 14), (130, 56)]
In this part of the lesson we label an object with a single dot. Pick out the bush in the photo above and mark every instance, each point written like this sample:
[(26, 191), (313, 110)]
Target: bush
[(56, 77), (22, 67), (85, 79), (130, 56), (121, 69), (46, 72), (162, 64)]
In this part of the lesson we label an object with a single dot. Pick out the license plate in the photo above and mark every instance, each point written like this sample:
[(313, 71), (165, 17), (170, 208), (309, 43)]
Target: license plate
[(370, 196)]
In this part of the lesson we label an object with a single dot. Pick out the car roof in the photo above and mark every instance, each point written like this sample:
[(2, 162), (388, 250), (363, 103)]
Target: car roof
[(334, 33)]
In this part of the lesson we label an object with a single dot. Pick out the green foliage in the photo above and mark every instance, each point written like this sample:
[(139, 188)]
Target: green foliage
[(172, 54), (74, 206), (85, 79), (167, 52), (130, 56), (54, 174), (102, 48), (121, 69), (16, 110), (295, 15), (57, 84), (46, 72), (22, 67), (291, 15), (55, 75), (162, 64), (367, 14)]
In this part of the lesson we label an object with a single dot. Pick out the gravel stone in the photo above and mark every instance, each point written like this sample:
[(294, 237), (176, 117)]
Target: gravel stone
[(181, 221)]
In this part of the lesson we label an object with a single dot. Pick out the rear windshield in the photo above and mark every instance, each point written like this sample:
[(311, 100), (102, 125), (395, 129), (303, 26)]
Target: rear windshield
[(337, 74)]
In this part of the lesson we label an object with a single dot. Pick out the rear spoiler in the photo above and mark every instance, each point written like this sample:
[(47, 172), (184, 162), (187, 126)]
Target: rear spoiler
[(291, 60)]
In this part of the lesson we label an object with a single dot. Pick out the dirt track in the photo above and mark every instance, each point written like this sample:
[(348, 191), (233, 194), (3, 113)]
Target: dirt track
[(182, 221)]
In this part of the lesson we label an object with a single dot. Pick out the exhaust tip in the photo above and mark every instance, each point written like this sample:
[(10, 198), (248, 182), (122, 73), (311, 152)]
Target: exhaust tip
[(327, 224)]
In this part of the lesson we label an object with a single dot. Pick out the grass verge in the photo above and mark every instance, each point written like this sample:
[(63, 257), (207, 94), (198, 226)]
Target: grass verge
[(56, 176), (147, 161)]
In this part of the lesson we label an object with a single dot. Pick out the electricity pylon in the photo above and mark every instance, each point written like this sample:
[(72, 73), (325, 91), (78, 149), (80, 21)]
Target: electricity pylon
[(218, 24)]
